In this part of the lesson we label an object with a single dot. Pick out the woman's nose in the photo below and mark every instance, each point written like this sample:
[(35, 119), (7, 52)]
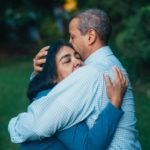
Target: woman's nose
[(77, 62)]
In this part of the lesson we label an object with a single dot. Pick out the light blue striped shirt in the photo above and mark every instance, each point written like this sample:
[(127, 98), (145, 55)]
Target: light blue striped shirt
[(82, 95)]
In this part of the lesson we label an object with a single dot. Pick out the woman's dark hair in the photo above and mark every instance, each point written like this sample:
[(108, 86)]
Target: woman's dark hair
[(45, 79)]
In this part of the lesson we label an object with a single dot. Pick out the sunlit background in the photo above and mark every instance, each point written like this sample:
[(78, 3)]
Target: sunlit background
[(28, 25)]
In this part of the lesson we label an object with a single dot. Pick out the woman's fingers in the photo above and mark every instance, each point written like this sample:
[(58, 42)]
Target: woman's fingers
[(120, 76), (107, 81), (126, 82), (117, 87), (117, 74), (122, 79)]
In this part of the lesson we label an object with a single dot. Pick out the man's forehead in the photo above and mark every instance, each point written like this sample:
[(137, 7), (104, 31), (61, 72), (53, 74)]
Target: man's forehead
[(73, 26), (74, 22)]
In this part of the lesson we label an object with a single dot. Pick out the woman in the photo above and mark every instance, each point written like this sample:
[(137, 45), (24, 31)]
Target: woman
[(62, 60)]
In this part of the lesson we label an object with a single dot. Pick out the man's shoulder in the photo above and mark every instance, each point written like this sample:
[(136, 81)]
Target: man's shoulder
[(84, 73), (87, 71), (88, 68)]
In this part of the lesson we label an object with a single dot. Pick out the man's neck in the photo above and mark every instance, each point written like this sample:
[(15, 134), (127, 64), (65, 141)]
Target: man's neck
[(94, 48)]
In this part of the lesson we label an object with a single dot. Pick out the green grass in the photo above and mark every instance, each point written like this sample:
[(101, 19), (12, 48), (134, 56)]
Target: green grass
[(143, 117), (14, 76)]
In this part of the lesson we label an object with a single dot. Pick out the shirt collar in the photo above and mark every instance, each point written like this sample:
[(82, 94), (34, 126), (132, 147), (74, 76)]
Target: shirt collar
[(100, 53)]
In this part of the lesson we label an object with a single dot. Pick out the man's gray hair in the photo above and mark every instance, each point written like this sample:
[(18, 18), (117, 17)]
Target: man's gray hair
[(95, 19)]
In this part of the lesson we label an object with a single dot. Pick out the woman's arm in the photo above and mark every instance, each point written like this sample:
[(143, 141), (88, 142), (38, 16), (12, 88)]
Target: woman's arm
[(80, 137)]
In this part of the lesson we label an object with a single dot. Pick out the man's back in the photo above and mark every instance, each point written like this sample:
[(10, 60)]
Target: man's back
[(126, 136)]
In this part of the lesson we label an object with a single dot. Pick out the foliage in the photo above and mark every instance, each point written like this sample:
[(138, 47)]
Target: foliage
[(133, 41), (21, 21), (14, 76), (131, 32), (28, 22)]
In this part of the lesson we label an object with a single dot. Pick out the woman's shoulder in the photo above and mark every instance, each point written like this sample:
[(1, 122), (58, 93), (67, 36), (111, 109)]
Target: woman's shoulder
[(42, 93)]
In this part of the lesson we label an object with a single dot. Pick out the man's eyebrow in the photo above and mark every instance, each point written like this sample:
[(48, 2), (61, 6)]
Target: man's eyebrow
[(67, 55)]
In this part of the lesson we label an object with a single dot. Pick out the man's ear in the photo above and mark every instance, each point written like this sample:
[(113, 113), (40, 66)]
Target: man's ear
[(92, 36)]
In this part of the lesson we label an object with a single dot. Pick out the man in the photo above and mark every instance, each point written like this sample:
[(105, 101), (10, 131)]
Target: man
[(89, 34)]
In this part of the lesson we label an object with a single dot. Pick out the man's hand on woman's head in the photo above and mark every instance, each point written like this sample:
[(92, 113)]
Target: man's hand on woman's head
[(117, 88), (39, 59)]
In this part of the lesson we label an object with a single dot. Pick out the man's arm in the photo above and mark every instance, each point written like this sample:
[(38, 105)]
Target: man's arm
[(70, 102)]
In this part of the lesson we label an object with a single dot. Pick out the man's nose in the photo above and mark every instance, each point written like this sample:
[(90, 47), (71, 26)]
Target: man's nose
[(70, 40)]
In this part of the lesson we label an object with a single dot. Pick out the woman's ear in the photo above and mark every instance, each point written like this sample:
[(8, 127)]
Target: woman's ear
[(92, 35)]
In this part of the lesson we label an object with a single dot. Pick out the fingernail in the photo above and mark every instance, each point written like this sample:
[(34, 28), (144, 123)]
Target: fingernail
[(114, 67), (106, 75)]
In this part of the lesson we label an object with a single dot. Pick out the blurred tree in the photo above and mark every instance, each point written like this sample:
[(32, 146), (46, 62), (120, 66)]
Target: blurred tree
[(21, 22), (131, 31), (24, 23), (133, 41)]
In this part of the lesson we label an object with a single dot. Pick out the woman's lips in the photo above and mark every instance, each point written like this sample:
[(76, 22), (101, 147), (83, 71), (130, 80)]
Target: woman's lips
[(75, 68)]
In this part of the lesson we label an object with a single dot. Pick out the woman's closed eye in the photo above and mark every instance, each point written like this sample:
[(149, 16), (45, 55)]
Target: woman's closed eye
[(66, 60)]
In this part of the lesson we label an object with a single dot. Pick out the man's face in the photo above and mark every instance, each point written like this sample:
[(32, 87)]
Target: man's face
[(78, 40)]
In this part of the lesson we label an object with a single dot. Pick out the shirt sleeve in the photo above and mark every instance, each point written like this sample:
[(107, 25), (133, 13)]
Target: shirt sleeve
[(33, 74), (98, 137), (69, 103)]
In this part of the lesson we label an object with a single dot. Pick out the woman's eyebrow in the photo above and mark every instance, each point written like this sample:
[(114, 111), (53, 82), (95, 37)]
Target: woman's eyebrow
[(67, 55)]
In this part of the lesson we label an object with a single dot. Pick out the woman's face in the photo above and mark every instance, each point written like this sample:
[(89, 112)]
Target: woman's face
[(67, 61)]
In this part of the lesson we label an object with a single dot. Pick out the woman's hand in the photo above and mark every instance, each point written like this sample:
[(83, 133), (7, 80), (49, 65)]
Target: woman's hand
[(39, 59), (117, 88)]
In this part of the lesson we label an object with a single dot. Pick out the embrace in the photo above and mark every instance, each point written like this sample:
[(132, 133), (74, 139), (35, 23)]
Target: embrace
[(80, 94)]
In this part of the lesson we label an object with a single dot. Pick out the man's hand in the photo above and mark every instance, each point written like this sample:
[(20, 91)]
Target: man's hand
[(117, 88), (40, 59)]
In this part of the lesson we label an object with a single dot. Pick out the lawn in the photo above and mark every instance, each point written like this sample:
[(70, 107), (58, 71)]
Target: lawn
[(14, 77)]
